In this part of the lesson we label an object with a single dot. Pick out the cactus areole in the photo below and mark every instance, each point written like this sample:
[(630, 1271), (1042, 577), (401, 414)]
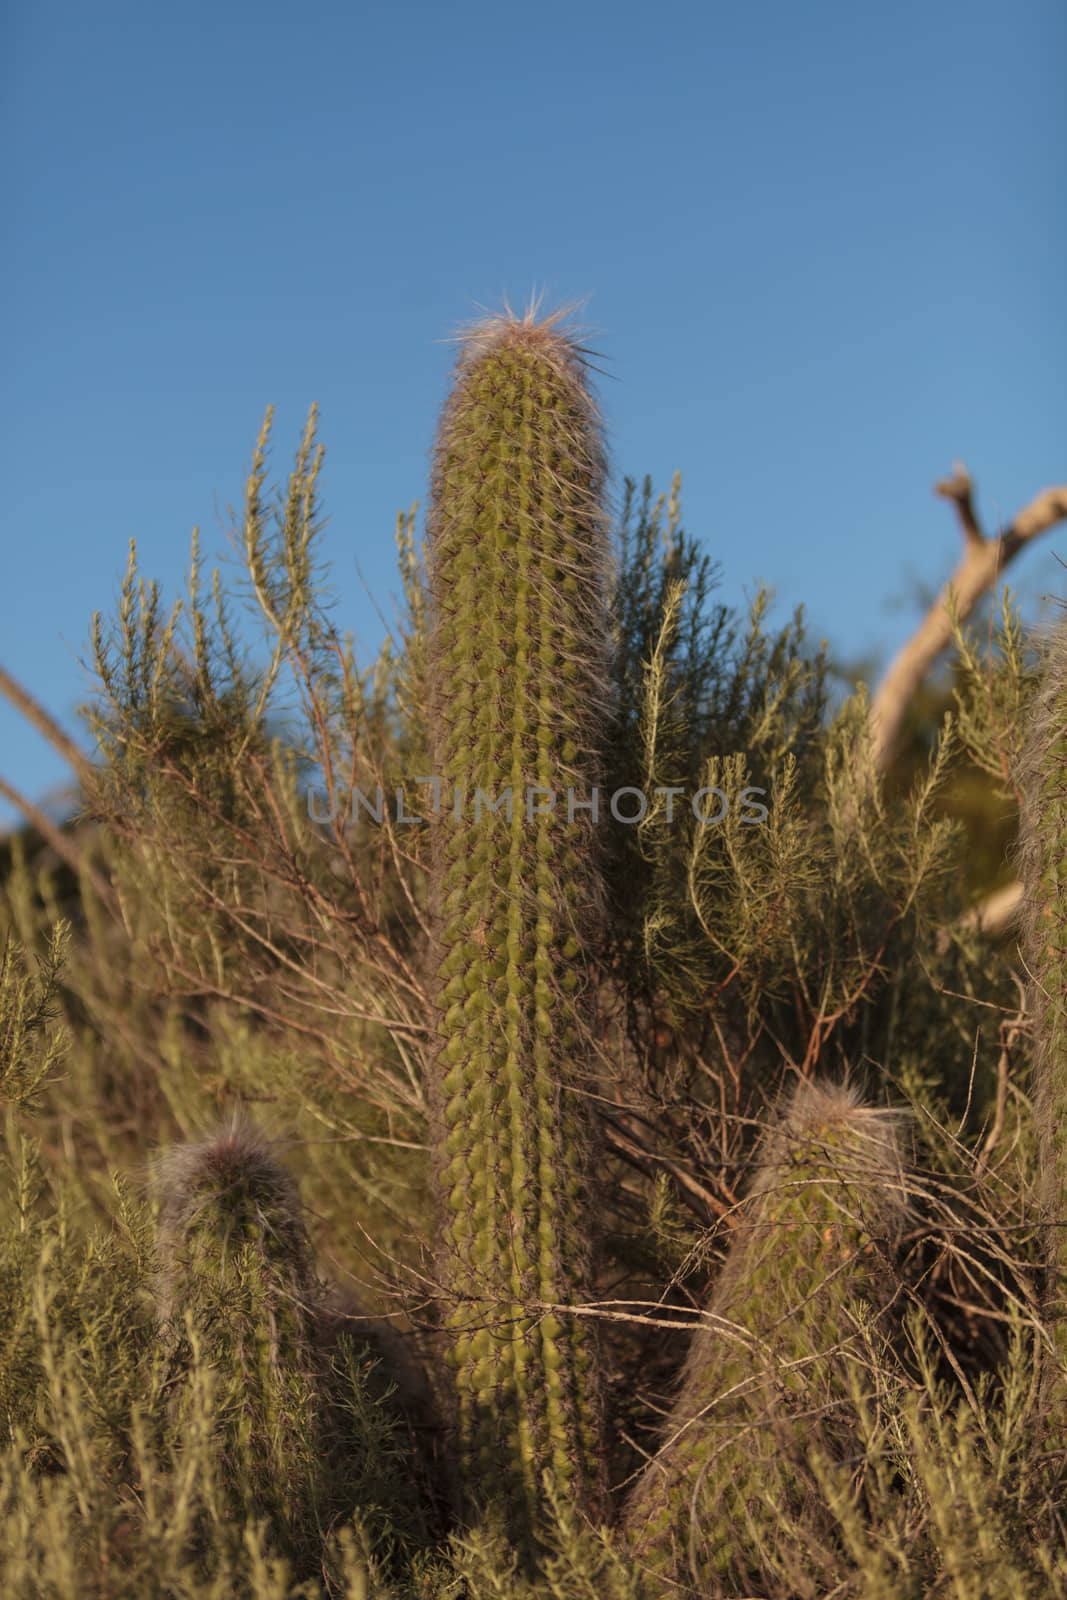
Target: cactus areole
[(517, 564)]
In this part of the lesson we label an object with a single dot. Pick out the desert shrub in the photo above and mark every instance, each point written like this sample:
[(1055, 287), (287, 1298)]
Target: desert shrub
[(225, 1306)]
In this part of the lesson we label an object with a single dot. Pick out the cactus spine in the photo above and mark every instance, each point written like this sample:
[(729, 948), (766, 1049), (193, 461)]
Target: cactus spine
[(1043, 864), (517, 562), (767, 1375)]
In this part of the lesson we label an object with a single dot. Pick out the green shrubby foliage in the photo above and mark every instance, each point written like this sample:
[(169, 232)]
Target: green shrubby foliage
[(828, 1352)]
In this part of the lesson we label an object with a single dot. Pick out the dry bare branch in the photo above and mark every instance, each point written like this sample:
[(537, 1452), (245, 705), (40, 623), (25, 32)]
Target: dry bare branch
[(45, 724), (981, 564)]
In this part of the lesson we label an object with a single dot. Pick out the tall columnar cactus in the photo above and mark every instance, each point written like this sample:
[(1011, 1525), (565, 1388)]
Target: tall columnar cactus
[(767, 1376), (517, 563), (1043, 864)]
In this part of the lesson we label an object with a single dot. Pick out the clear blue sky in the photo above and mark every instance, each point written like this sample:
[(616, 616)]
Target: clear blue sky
[(824, 249)]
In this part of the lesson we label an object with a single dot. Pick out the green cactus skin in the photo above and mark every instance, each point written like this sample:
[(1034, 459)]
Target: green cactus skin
[(828, 1189), (518, 553), (1043, 868)]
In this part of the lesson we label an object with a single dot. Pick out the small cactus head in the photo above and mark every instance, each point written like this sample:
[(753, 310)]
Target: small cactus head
[(231, 1224), (826, 1126), (771, 1377), (302, 1421), (236, 1299), (830, 1183)]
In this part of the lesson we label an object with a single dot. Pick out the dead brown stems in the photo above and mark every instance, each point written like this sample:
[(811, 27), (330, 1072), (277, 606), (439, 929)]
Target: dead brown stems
[(980, 565)]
